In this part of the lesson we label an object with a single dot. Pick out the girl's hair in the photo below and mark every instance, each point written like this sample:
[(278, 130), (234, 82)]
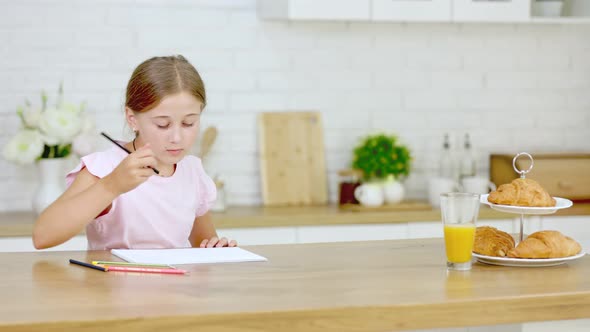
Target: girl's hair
[(159, 77)]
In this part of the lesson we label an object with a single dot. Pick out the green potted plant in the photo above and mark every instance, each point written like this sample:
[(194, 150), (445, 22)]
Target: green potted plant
[(382, 158)]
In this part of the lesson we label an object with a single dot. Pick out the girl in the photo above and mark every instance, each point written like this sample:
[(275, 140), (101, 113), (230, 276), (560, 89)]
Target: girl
[(118, 197)]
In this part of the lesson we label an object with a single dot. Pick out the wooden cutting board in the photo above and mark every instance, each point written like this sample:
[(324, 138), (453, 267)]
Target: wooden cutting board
[(292, 160)]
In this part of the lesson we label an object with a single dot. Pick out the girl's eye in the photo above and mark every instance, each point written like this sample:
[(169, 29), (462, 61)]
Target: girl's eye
[(188, 124), (162, 126)]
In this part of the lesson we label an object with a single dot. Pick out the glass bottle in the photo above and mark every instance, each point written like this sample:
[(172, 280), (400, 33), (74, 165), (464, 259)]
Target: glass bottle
[(446, 167), (467, 166)]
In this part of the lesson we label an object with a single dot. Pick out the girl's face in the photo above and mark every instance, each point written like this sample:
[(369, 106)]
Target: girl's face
[(171, 128)]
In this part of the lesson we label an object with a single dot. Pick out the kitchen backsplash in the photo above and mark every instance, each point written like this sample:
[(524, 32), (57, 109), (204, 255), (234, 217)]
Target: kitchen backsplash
[(511, 87)]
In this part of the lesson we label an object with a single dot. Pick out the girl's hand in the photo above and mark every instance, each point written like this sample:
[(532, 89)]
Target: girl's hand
[(215, 242), (132, 171)]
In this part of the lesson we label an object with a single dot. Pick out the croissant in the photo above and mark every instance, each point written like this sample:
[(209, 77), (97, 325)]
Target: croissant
[(522, 192), (546, 244), (490, 241)]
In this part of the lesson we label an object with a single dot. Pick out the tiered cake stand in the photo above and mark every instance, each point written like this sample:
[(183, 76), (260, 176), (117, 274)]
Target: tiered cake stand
[(561, 203)]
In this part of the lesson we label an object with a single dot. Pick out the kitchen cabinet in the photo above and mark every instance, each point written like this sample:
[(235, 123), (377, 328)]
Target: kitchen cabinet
[(260, 235), (491, 10), (245, 236), (411, 10), (573, 11), (289, 235), (577, 227), (501, 11), (349, 10), (24, 243), (342, 233)]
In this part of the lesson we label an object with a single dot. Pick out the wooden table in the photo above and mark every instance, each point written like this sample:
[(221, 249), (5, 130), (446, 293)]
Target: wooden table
[(360, 286)]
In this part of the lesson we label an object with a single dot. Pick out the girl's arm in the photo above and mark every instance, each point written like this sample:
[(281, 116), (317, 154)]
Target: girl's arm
[(88, 196), (83, 201), (204, 235)]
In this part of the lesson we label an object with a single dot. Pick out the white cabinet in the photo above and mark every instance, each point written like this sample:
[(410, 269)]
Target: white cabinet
[(340, 233), (491, 10), (411, 10), (424, 230), (504, 11), (21, 244), (314, 9), (412, 230), (577, 227), (244, 236), (579, 8), (260, 235)]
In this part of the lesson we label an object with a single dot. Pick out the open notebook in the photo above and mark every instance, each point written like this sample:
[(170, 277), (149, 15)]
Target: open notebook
[(187, 255)]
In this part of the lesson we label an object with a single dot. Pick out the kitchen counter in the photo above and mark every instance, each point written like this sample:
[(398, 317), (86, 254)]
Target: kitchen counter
[(351, 286), (14, 224)]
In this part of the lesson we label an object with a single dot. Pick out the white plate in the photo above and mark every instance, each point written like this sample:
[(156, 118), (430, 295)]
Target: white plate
[(525, 262), (560, 203)]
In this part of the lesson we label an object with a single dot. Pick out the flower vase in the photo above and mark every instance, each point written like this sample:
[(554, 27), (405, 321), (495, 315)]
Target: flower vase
[(393, 191), (51, 179)]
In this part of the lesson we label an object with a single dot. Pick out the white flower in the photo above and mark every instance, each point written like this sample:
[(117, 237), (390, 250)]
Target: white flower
[(25, 147), (69, 107), (52, 128), (84, 144), (88, 125), (59, 126), (31, 116)]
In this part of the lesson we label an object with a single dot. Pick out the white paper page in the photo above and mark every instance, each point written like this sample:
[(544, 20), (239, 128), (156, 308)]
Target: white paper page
[(187, 255)]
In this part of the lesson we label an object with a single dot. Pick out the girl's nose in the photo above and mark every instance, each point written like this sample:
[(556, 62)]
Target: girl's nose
[(175, 135)]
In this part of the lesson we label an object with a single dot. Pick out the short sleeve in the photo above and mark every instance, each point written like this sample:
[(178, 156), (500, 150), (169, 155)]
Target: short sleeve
[(98, 164), (207, 193)]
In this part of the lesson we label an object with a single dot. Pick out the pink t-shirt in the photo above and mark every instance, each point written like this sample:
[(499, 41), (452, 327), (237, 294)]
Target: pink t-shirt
[(159, 213)]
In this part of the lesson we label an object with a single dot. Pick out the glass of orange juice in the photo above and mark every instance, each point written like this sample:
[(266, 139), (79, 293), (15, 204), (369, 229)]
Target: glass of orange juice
[(459, 212)]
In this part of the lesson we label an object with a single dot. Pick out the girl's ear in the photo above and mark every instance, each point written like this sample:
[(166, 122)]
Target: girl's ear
[(130, 117)]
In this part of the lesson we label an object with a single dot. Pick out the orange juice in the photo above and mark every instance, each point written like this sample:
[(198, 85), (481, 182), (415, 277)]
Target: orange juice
[(459, 240)]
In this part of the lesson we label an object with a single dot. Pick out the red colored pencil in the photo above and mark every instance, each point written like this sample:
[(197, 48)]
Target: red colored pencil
[(144, 270)]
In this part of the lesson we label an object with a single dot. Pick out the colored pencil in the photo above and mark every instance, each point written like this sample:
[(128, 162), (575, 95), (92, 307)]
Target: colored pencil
[(92, 266), (145, 270), (107, 263), (124, 149)]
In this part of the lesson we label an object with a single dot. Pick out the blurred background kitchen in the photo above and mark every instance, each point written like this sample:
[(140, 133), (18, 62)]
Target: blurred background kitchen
[(510, 81)]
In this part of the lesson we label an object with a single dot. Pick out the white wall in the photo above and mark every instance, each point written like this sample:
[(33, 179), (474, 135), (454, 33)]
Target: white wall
[(513, 87)]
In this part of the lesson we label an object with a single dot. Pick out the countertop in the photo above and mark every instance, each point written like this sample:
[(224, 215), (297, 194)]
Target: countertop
[(14, 224), (350, 286)]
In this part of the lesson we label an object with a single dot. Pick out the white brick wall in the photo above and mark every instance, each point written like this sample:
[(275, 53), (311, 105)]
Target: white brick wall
[(512, 87)]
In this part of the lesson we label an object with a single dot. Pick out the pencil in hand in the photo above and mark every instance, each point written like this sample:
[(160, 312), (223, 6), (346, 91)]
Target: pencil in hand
[(125, 149)]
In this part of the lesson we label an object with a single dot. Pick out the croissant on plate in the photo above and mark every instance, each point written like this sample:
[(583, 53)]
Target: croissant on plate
[(491, 241), (546, 244), (522, 192)]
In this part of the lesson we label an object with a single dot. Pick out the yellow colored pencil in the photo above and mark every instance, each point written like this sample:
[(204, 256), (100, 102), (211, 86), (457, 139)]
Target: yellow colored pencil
[(107, 263)]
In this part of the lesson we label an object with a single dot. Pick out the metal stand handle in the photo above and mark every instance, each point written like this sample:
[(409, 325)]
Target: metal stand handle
[(519, 171), (522, 173)]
